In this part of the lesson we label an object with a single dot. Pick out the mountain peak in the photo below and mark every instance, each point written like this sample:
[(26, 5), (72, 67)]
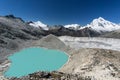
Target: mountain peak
[(101, 19), (72, 26), (11, 16), (39, 24), (100, 24)]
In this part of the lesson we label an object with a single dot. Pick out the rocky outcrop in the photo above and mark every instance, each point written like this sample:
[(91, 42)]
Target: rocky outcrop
[(52, 76)]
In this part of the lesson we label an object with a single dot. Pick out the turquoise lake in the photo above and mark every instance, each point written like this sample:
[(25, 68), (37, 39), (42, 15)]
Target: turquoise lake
[(30, 60)]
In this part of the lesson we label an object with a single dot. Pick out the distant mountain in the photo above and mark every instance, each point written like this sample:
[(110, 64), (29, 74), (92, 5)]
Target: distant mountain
[(96, 28), (39, 24), (102, 25), (38, 29), (73, 26), (59, 30)]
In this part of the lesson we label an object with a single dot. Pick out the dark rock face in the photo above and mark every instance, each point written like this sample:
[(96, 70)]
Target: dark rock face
[(62, 31), (11, 16), (52, 76)]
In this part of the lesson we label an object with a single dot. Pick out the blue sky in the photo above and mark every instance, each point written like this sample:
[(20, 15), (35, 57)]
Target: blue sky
[(62, 11)]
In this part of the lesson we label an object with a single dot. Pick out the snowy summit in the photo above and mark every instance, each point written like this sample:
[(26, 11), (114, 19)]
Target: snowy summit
[(103, 25), (39, 24)]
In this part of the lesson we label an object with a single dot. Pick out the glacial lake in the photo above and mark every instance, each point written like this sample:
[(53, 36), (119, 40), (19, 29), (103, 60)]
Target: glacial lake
[(34, 59)]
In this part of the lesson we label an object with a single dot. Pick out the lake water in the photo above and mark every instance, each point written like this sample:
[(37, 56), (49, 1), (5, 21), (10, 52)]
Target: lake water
[(30, 60)]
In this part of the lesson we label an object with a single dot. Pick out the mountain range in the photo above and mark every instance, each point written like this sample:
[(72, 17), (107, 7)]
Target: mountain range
[(99, 25), (15, 27)]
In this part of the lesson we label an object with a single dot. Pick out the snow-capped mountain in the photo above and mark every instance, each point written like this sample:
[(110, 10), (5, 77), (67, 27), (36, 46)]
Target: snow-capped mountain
[(39, 24), (73, 26), (99, 25), (102, 25)]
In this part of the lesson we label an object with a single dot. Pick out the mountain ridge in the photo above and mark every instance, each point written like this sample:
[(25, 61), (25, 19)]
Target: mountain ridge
[(98, 24), (16, 25)]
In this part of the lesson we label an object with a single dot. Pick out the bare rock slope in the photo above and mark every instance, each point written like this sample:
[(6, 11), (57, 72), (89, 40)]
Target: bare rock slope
[(98, 63)]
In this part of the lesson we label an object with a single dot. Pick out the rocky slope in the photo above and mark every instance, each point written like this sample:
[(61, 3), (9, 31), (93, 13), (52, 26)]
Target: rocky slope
[(112, 34), (98, 63), (13, 27)]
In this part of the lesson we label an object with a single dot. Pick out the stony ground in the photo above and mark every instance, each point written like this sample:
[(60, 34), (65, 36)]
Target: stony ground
[(98, 63)]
